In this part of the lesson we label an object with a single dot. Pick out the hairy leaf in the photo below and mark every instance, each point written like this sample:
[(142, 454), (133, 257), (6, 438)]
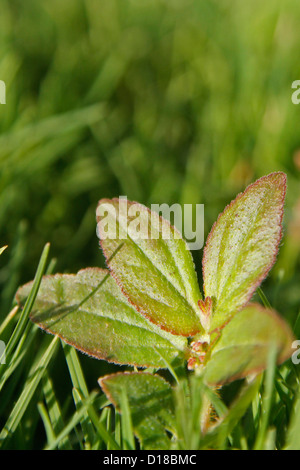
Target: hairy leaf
[(245, 342), (242, 246), (150, 402), (88, 311), (152, 265)]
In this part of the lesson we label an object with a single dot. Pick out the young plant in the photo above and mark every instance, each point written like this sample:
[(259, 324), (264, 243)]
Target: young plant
[(146, 309)]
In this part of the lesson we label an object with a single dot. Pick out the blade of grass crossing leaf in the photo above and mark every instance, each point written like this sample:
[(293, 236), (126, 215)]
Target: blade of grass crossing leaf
[(118, 430), (266, 400), (109, 423), (126, 423), (33, 381)]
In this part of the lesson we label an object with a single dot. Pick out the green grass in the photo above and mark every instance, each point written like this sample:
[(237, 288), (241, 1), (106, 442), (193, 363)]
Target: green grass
[(163, 102)]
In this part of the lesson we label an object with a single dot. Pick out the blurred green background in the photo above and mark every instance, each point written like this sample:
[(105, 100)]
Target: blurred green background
[(162, 101)]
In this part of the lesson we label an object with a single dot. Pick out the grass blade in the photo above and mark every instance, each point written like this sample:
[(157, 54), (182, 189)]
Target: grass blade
[(266, 401), (90, 416), (17, 333), (126, 423), (35, 376), (54, 412)]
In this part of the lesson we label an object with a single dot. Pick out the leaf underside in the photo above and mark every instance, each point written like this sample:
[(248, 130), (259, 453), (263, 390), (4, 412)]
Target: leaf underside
[(88, 311), (242, 246), (244, 345), (150, 402), (156, 275)]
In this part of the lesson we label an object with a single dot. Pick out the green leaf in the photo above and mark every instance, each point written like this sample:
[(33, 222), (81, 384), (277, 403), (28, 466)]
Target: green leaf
[(244, 345), (242, 246), (150, 399), (88, 311), (153, 265)]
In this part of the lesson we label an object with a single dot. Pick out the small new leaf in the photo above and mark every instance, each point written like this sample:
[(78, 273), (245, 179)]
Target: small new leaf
[(244, 345)]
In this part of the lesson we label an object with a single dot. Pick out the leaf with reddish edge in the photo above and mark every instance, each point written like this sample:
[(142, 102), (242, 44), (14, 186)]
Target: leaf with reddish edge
[(242, 246), (150, 400), (88, 311), (244, 345), (153, 265)]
